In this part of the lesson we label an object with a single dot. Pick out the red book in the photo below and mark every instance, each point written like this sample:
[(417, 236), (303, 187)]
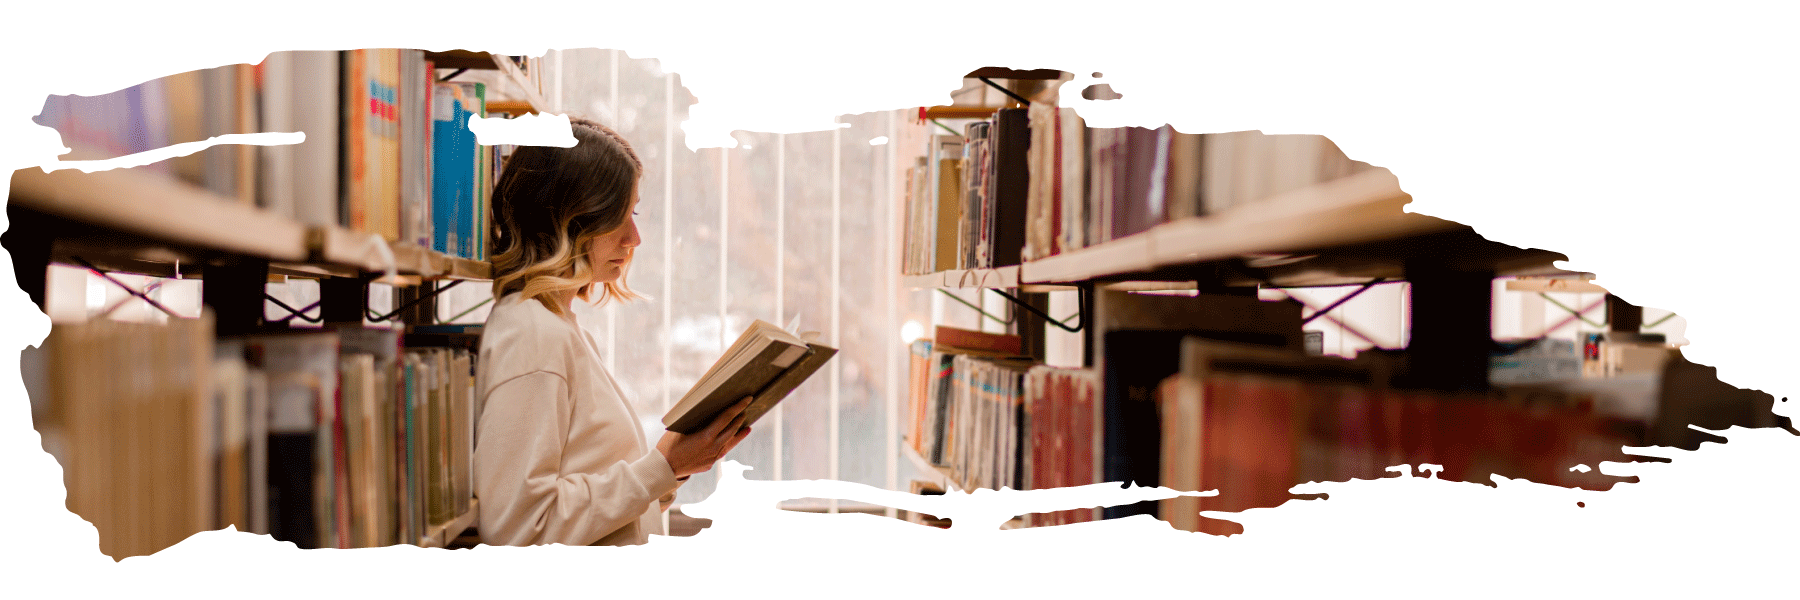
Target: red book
[(963, 341)]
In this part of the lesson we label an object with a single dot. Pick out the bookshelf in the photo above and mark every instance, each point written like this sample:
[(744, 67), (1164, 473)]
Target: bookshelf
[(171, 220), (1280, 227)]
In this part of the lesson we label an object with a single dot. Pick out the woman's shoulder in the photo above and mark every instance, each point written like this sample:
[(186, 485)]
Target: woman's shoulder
[(523, 335)]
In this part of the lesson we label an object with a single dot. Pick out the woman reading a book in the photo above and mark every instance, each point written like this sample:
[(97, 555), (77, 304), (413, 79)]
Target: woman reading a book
[(560, 456)]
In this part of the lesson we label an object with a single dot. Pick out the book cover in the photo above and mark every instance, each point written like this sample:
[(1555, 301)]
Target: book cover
[(765, 362)]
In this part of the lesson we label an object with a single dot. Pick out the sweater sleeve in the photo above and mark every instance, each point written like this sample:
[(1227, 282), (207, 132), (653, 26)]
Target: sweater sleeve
[(518, 454)]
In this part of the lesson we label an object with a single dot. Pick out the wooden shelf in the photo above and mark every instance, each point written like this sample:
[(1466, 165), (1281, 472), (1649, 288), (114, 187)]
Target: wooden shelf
[(1016, 74), (344, 247), (165, 221), (1566, 285), (1341, 232), (1003, 277), (462, 59), (439, 536), (161, 208), (1365, 207)]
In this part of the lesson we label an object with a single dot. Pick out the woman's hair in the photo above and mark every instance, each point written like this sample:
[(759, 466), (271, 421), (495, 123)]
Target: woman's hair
[(548, 206)]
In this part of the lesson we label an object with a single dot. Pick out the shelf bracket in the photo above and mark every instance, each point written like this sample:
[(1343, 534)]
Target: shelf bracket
[(1081, 293), (1340, 302), (972, 306), (1003, 90), (293, 312), (141, 295), (415, 302)]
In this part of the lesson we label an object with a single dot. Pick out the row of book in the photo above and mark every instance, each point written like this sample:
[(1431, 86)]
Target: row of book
[(1035, 182), (994, 421), (388, 149), (1254, 433), (1190, 411), (337, 438)]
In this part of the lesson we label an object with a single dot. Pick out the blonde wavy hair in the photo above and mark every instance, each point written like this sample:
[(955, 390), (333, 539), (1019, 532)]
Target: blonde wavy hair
[(548, 206)]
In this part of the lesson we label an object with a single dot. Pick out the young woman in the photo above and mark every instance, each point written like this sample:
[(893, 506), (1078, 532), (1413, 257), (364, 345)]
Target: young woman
[(560, 456)]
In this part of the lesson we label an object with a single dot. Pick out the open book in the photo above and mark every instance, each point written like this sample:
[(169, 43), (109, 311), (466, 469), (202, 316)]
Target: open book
[(766, 362)]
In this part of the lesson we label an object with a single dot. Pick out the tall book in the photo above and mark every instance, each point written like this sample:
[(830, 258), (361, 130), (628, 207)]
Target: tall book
[(476, 215), (275, 83), (452, 164), (1010, 184), (353, 205), (302, 370), (384, 119), (948, 208), (316, 112), (416, 83)]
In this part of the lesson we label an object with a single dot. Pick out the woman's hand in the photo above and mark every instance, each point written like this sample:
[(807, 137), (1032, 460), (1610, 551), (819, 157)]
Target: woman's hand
[(696, 452)]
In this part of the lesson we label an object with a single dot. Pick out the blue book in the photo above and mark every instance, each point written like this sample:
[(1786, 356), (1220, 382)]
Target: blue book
[(452, 181)]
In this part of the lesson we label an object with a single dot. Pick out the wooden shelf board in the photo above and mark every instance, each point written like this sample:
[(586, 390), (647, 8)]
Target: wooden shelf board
[(1361, 208), (958, 112), (1124, 255), (1016, 74), (462, 59), (1002, 277), (1568, 285), (160, 208), (439, 536), (344, 247), (1364, 207)]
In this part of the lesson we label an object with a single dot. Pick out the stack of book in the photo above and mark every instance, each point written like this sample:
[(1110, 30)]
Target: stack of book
[(388, 149), (327, 439), (934, 201), (969, 418), (1217, 393)]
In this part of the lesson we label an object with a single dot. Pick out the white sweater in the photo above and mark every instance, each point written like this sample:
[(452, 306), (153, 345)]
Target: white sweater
[(560, 456)]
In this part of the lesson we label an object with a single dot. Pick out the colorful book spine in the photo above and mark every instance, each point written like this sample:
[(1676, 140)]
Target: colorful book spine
[(452, 147)]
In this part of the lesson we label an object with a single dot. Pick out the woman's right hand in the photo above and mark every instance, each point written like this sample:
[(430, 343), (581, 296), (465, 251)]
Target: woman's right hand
[(696, 452)]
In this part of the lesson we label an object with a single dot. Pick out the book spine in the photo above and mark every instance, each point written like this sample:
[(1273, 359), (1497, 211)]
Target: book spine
[(1009, 187), (316, 86)]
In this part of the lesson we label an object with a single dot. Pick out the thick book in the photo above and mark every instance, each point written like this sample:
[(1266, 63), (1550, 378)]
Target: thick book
[(1009, 183), (452, 165), (766, 362)]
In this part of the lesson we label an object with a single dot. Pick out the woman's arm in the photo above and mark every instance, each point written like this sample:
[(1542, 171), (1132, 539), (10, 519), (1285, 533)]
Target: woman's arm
[(518, 456)]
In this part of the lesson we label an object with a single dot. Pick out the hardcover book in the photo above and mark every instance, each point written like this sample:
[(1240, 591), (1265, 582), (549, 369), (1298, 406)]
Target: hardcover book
[(766, 362)]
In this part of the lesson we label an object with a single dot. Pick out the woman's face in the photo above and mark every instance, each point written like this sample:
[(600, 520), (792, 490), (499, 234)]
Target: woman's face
[(610, 252)]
